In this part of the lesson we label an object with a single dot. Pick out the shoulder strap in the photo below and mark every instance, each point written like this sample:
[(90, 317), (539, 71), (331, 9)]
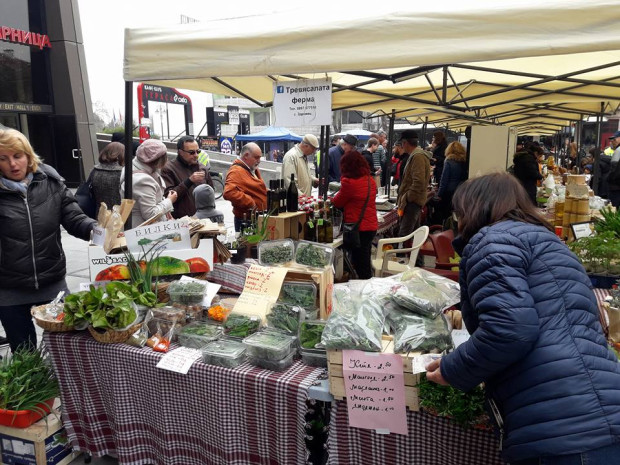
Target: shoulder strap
[(365, 203)]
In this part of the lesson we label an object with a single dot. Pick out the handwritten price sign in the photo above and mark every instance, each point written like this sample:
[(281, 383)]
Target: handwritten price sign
[(375, 389), (262, 287)]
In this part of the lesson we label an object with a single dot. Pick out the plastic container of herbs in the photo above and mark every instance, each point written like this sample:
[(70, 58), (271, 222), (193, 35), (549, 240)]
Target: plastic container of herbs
[(314, 357), (310, 333), (240, 325), (187, 292), (273, 365), (278, 252), (300, 293), (285, 317), (224, 352), (198, 334), (269, 345), (314, 255)]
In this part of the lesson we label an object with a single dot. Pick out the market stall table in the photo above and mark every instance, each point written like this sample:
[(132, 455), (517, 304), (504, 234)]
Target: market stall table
[(116, 402), (430, 441)]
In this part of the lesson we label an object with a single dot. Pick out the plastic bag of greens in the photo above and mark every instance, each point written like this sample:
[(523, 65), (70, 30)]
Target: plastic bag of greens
[(356, 321), (417, 333), (425, 293)]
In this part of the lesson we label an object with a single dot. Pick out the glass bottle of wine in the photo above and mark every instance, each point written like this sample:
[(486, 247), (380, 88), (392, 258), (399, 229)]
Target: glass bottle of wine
[(292, 196)]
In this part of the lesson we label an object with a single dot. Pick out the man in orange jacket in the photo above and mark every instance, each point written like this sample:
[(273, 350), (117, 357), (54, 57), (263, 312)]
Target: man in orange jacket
[(244, 186)]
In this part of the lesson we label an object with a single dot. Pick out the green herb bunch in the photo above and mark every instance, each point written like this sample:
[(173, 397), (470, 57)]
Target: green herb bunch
[(26, 380), (273, 254), (599, 253), (298, 294), (238, 325), (310, 334), (465, 409), (284, 317), (610, 221), (111, 307), (310, 255)]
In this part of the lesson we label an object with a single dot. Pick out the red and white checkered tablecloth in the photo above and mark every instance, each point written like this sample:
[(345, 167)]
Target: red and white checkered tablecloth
[(390, 221), (116, 402), (431, 441)]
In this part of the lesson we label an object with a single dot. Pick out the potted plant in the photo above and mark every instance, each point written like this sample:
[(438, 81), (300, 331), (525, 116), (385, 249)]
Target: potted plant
[(141, 271), (27, 388), (253, 234)]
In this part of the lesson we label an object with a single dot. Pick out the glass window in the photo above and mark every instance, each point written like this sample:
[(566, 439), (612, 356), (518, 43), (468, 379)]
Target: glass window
[(261, 118), (19, 62)]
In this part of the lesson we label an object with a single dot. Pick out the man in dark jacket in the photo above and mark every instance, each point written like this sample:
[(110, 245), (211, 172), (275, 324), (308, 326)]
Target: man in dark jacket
[(184, 173), (347, 144), (613, 178)]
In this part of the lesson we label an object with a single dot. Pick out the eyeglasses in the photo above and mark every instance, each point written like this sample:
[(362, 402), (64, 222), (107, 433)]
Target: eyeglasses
[(191, 152)]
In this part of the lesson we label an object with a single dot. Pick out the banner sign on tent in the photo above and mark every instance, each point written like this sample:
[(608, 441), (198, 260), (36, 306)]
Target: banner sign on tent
[(303, 102)]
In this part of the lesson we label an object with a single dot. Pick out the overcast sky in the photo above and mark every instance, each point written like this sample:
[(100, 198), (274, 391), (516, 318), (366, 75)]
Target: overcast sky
[(103, 25)]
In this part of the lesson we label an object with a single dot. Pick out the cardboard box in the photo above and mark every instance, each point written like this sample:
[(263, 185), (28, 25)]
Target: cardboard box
[(43, 443), (99, 261), (324, 280), (285, 225), (336, 378)]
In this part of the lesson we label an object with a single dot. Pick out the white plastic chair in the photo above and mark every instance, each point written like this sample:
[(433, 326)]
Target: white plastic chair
[(382, 263)]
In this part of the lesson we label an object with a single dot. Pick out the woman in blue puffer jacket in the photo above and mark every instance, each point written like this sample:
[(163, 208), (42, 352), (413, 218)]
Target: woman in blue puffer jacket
[(536, 341)]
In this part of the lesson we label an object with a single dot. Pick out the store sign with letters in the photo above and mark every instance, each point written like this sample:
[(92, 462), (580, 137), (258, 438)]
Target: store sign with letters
[(302, 102)]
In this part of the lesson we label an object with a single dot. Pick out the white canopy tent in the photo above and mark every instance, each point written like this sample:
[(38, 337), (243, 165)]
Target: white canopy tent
[(487, 61), (535, 65)]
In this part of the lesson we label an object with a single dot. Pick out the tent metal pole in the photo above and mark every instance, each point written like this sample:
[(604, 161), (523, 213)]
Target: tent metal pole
[(424, 129), (596, 173), (390, 144), (326, 174), (320, 165), (128, 144)]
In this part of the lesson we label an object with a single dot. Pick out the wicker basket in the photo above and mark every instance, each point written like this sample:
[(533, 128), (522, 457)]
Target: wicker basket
[(112, 336), (47, 325)]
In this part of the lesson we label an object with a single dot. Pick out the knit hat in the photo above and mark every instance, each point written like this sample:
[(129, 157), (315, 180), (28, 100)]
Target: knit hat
[(311, 140), (204, 198), (151, 150)]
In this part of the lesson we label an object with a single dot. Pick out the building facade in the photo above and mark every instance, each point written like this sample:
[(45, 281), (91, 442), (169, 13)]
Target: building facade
[(44, 89)]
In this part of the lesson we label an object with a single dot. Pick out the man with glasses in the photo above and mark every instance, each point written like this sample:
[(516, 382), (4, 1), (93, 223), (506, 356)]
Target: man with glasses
[(296, 162), (183, 174)]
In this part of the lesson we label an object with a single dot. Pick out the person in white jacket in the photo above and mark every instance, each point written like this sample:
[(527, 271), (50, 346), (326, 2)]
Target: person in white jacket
[(148, 186), (296, 162)]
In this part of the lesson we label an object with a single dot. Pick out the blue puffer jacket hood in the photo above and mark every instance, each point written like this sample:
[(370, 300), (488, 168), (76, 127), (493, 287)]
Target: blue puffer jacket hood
[(537, 342)]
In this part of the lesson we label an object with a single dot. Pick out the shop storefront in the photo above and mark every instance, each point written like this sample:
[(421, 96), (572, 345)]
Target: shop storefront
[(43, 83)]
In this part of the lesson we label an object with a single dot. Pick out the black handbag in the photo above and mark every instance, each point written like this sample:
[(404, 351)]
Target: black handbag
[(85, 198), (351, 231)]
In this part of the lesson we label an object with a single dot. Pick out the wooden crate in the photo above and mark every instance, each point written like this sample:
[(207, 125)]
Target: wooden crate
[(324, 280), (336, 378), (285, 225), (40, 444)]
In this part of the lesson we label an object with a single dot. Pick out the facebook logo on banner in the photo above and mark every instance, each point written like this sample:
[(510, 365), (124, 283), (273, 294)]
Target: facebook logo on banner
[(280, 89)]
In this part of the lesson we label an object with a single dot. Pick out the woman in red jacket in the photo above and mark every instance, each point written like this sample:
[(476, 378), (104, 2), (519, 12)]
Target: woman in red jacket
[(356, 184)]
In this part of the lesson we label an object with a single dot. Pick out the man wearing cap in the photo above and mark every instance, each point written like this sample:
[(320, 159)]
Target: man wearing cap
[(347, 144), (613, 178), (244, 187), (183, 174), (412, 193), (295, 162)]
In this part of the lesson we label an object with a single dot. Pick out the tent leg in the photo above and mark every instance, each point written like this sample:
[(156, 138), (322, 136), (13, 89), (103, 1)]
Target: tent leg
[(128, 144)]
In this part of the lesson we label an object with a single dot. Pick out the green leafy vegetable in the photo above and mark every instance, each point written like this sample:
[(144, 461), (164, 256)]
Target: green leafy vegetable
[(465, 409), (312, 255), (301, 294), (310, 334), (26, 380), (238, 325), (274, 254), (284, 317), (111, 307)]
